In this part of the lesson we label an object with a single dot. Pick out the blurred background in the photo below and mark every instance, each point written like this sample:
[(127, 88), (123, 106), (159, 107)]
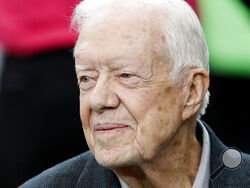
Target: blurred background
[(39, 106)]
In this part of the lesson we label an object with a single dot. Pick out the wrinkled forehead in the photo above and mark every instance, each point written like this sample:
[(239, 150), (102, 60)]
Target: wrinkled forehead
[(124, 15), (128, 25)]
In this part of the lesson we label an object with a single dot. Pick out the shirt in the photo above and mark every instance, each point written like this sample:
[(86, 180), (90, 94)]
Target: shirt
[(202, 176)]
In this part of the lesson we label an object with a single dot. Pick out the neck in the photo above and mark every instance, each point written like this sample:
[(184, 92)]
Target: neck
[(176, 165)]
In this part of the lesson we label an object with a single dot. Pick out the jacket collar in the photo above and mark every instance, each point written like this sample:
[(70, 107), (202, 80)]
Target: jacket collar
[(217, 149)]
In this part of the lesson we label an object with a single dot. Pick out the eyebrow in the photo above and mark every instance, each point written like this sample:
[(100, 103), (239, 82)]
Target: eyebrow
[(82, 68)]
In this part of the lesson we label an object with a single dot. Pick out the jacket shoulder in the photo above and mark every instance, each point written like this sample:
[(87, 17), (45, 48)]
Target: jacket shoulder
[(64, 174), (246, 166), (238, 177)]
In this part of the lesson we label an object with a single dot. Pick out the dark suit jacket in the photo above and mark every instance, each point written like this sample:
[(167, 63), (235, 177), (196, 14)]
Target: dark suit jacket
[(84, 171)]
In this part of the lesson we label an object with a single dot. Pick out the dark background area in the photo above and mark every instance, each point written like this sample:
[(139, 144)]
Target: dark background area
[(228, 111), (246, 2), (39, 115)]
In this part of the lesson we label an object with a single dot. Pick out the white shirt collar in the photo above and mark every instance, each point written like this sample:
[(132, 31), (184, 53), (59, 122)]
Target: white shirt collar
[(123, 184), (202, 176)]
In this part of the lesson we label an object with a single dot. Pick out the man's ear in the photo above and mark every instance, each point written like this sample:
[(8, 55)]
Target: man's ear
[(197, 85)]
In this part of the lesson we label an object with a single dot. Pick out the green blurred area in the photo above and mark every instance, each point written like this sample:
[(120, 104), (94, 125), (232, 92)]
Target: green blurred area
[(227, 28)]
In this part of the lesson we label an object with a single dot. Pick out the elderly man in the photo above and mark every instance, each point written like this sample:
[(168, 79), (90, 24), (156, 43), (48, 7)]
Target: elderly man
[(142, 67)]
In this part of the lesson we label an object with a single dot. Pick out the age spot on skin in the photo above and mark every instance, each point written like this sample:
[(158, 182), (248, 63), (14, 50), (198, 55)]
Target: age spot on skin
[(158, 58), (176, 143), (168, 89), (173, 102), (130, 43), (143, 30), (159, 108), (181, 159), (126, 36), (163, 38)]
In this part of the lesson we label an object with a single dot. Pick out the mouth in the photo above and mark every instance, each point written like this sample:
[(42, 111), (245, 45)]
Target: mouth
[(110, 127)]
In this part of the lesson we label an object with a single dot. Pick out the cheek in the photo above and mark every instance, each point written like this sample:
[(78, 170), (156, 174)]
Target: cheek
[(153, 132), (85, 116), (133, 100), (84, 111), (158, 124)]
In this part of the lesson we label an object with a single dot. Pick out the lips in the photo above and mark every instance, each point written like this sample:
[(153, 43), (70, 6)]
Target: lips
[(110, 127)]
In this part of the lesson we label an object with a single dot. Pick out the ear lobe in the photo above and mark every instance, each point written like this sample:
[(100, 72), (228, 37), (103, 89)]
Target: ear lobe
[(197, 86)]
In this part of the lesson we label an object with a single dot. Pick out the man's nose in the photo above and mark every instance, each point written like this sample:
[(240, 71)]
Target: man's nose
[(103, 96)]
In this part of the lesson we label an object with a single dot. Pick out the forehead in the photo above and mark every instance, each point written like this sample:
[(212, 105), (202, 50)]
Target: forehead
[(120, 35), (122, 20)]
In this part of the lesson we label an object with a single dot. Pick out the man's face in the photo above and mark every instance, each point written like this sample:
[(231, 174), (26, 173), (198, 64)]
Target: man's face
[(129, 106)]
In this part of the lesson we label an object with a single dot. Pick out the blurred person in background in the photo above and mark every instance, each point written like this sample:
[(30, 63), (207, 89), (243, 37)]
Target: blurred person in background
[(39, 123), (1, 63)]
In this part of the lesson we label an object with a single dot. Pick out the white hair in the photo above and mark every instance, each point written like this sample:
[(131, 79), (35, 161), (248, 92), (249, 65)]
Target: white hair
[(185, 41)]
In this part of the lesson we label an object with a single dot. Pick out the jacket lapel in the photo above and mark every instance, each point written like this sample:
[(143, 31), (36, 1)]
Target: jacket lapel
[(94, 175), (217, 149), (228, 178)]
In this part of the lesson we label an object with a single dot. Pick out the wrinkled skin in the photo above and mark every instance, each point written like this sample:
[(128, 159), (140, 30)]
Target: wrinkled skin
[(124, 78)]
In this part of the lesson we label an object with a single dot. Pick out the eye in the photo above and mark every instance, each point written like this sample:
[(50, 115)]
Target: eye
[(126, 75), (86, 83), (85, 79)]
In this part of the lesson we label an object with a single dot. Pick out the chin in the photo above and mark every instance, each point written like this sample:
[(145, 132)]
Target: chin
[(117, 157)]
